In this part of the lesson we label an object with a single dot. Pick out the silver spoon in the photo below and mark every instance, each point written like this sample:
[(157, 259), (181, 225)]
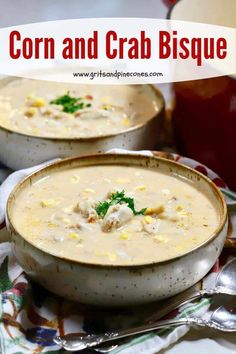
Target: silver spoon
[(224, 284), (223, 319)]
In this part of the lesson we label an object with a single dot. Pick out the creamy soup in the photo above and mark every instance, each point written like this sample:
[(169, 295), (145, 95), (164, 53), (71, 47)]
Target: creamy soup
[(61, 110), (114, 215)]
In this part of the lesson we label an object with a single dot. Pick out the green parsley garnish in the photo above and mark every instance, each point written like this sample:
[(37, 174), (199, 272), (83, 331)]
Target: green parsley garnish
[(117, 198), (70, 104)]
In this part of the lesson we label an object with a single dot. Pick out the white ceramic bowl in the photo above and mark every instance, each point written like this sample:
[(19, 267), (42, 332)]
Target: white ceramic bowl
[(109, 285), (18, 150)]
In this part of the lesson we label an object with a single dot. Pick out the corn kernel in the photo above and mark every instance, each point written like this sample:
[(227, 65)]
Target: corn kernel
[(75, 179), (112, 256), (30, 112), (179, 248), (89, 190), (73, 235), (155, 211), (98, 254), (107, 107), (124, 236), (140, 188), (68, 209), (180, 224), (65, 220), (125, 121), (47, 203), (47, 112), (52, 225), (148, 211), (183, 225), (35, 223), (30, 96), (183, 213), (106, 99), (39, 102), (160, 238), (35, 131), (148, 219)]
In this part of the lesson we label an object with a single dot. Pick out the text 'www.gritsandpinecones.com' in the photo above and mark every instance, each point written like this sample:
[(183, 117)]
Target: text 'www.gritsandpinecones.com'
[(116, 74)]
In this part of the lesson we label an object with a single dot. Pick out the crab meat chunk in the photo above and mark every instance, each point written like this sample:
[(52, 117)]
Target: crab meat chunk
[(151, 225), (86, 207), (117, 216)]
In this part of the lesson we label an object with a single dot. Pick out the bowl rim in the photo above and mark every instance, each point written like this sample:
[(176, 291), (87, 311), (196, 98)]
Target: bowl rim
[(156, 91), (50, 167)]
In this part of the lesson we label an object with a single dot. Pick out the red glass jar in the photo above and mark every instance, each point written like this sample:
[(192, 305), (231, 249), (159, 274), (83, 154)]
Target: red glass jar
[(204, 124), (204, 115)]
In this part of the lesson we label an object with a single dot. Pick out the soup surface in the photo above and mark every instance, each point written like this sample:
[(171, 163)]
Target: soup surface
[(51, 109), (114, 214)]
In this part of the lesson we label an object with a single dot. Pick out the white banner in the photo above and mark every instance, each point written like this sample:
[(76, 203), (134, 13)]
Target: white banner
[(117, 51)]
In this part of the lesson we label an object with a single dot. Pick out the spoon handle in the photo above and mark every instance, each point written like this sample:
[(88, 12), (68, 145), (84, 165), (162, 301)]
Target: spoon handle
[(179, 300), (198, 294), (74, 342)]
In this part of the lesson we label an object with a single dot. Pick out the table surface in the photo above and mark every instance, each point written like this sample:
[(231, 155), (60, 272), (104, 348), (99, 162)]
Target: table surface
[(28, 11)]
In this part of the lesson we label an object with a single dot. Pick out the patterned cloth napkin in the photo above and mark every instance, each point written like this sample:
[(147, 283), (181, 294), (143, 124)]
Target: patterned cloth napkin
[(30, 316)]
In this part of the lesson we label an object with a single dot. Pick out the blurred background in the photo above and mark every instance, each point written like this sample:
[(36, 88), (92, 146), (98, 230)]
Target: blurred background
[(18, 12)]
